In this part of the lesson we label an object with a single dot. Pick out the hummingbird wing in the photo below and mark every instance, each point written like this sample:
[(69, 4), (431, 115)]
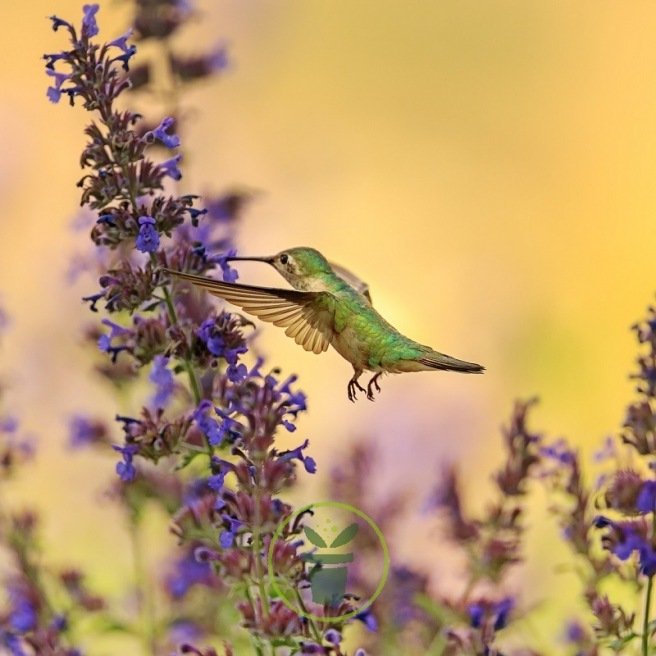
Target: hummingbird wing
[(308, 316), (349, 277)]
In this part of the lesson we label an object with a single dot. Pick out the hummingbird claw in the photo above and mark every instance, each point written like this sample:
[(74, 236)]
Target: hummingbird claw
[(354, 385), (373, 383)]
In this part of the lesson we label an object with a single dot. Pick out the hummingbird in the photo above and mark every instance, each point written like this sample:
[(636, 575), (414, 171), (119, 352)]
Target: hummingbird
[(330, 306)]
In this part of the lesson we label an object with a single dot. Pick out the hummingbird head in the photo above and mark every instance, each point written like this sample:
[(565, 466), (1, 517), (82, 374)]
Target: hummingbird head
[(301, 267)]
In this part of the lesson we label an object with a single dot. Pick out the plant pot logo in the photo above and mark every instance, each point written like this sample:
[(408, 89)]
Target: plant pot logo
[(329, 530)]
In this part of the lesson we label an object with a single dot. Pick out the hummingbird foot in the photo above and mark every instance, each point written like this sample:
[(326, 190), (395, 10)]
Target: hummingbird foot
[(354, 385), (373, 383)]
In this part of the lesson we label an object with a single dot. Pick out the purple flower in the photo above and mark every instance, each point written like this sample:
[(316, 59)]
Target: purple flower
[(297, 454), (237, 372), (227, 537), (218, 60), (160, 133), (297, 401), (126, 56), (502, 610), (127, 51), (148, 237), (368, 619), (626, 537), (84, 431), (229, 274), (105, 341), (333, 636), (476, 614), (125, 469), (188, 572), (54, 92), (8, 424), (89, 25), (122, 41), (13, 643), (210, 427), (170, 167), (559, 451), (214, 339), (23, 616), (646, 501), (163, 379)]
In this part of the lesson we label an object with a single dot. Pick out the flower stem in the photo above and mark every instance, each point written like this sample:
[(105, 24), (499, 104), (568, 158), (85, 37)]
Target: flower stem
[(645, 622), (255, 543), (193, 379)]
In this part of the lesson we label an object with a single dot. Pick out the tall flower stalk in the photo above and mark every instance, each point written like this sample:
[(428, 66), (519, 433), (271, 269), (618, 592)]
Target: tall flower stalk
[(221, 425)]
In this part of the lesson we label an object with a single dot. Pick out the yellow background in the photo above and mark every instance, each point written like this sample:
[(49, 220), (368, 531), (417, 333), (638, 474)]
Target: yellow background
[(487, 167)]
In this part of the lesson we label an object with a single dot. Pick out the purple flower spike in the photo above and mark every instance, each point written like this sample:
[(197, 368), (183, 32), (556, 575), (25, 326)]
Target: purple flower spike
[(148, 237)]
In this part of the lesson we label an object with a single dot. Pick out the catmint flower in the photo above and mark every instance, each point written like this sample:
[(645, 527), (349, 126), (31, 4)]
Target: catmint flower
[(210, 427), (128, 51), (170, 167), (161, 133), (368, 619), (164, 381), (188, 572), (54, 92), (125, 469), (148, 237), (227, 537), (297, 454), (333, 637), (89, 25), (83, 431), (229, 274), (105, 341), (23, 617)]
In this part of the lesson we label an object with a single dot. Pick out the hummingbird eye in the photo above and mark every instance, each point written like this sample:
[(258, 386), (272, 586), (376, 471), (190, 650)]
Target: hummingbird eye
[(284, 258)]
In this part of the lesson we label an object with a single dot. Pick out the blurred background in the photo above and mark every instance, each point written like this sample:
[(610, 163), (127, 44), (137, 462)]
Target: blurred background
[(486, 167)]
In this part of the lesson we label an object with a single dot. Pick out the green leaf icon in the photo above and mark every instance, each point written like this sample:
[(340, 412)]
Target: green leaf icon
[(345, 536), (314, 537)]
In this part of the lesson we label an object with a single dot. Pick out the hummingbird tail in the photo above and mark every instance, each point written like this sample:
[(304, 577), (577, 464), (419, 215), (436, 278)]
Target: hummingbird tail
[(435, 360)]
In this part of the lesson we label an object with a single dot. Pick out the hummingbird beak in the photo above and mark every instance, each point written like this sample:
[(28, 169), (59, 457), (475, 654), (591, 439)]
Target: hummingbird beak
[(268, 260)]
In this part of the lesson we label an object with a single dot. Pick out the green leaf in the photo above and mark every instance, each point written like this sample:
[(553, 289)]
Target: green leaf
[(345, 536), (314, 537)]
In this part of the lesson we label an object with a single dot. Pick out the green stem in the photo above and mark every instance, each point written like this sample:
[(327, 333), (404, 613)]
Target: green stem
[(193, 379), (311, 622), (645, 622), (255, 542)]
